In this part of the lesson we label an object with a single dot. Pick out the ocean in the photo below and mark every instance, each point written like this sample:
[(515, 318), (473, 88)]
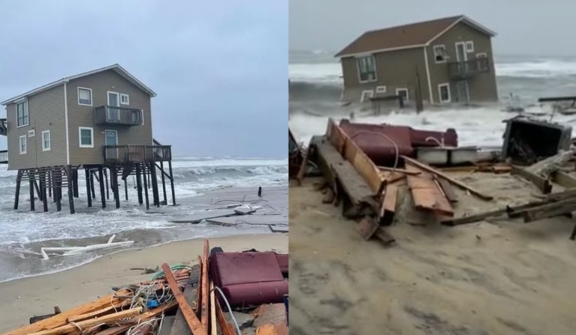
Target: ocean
[(23, 232), (316, 85)]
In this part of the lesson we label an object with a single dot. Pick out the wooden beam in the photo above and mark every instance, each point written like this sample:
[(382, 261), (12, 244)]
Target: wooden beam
[(388, 208), (542, 183), (213, 322), (448, 178), (205, 286), (98, 312), (179, 326), (389, 169), (193, 323), (447, 189), (426, 193), (549, 210), (563, 179), (92, 322), (225, 327)]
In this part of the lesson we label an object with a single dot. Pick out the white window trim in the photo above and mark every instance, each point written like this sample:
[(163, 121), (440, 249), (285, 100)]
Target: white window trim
[(49, 141), (381, 89), (481, 54), (370, 93), (434, 52), (108, 98), (403, 89), (25, 145), (80, 137), (24, 101), (106, 137), (358, 69), (458, 55), (127, 99), (142, 117), (447, 85), (469, 43), (78, 96)]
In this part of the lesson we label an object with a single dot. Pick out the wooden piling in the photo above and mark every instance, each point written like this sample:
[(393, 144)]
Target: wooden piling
[(71, 188), (31, 182), (139, 184), (172, 183), (44, 187), (101, 182), (17, 193), (163, 182), (92, 184), (114, 183), (154, 179), (75, 183), (146, 188), (88, 195), (107, 187), (49, 175), (58, 190), (126, 188)]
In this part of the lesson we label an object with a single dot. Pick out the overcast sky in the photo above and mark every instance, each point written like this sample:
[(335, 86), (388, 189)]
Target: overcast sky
[(219, 67), (523, 27)]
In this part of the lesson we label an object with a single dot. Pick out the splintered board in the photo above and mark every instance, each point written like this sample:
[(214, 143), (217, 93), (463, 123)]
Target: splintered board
[(426, 192), (348, 148)]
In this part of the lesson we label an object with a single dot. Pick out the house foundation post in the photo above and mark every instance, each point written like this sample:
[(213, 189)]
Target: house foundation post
[(75, 184), (101, 182), (154, 179), (44, 188), (70, 177), (88, 188), (17, 194), (163, 182), (139, 183), (146, 188), (31, 181), (172, 183)]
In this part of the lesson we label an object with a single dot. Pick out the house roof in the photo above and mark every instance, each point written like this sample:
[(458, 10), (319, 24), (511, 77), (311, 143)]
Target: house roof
[(115, 67), (407, 36)]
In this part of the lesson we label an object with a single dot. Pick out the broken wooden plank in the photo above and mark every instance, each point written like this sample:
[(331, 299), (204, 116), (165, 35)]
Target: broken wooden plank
[(549, 210), (388, 208), (350, 150), (213, 322), (179, 325), (272, 329), (426, 193), (447, 189), (545, 167), (96, 313), (448, 178), (543, 184), (563, 179), (366, 228), (205, 287), (389, 169), (225, 327), (60, 319), (191, 318), (92, 322)]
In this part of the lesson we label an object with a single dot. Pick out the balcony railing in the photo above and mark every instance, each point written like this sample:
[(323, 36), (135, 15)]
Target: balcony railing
[(136, 153), (468, 69), (112, 115)]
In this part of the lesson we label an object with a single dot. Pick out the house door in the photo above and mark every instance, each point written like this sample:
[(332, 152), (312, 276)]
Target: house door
[(111, 139), (462, 57), (113, 103), (462, 91)]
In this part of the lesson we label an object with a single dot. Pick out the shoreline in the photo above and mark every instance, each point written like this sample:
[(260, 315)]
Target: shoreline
[(26, 297)]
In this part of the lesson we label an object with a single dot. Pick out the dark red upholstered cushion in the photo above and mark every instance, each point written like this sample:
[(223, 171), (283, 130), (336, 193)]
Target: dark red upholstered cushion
[(283, 263), (256, 293)]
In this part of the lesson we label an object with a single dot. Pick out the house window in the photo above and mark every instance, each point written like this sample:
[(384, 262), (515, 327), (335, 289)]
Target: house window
[(444, 92), (483, 64), (440, 53), (366, 95), (380, 89), (86, 135), (22, 113), (470, 46), (31, 133), (23, 145), (366, 68), (84, 96), (403, 92), (124, 99), (46, 144)]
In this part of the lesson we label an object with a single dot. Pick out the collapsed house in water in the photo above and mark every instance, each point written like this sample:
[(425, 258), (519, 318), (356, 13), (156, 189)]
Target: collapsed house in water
[(99, 121)]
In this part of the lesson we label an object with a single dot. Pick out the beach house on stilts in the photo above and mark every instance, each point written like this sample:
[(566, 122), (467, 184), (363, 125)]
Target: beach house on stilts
[(98, 121)]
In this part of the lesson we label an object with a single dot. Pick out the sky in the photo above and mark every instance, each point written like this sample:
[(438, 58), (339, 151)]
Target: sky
[(524, 27), (219, 67)]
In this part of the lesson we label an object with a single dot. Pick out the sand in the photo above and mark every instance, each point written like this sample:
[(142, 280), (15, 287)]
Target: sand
[(26, 297), (497, 277)]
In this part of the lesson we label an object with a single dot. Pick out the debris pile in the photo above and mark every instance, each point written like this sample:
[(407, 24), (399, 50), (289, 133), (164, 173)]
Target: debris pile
[(225, 293), (365, 166)]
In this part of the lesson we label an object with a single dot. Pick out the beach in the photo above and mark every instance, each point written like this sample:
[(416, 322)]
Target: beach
[(26, 297)]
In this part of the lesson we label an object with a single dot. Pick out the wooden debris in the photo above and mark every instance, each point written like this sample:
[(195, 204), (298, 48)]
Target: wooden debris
[(453, 181), (193, 323), (91, 323), (368, 228), (549, 210), (213, 322), (272, 329), (563, 179), (303, 166), (426, 193), (446, 189), (543, 184), (545, 167), (191, 294), (388, 207), (225, 327), (389, 169), (205, 286), (96, 313)]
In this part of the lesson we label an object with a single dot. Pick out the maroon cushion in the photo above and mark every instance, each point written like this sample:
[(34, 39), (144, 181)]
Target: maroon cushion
[(255, 293), (283, 263), (230, 268)]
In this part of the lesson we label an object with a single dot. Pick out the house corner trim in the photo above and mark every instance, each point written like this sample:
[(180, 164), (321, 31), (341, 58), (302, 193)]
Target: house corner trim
[(428, 75), (66, 123)]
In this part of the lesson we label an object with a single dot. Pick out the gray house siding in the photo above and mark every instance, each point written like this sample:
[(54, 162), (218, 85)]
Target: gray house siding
[(46, 112), (395, 70), (83, 116), (482, 86)]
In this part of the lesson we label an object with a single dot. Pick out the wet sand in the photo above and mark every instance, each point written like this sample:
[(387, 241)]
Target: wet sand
[(26, 297), (497, 277)]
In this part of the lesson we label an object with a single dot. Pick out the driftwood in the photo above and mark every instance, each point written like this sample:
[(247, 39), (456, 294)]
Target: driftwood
[(546, 166)]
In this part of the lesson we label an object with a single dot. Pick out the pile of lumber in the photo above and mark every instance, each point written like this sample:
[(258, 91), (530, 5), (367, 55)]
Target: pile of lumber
[(139, 309)]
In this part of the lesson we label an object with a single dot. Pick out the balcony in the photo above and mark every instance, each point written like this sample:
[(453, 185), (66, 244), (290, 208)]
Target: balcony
[(111, 115), (122, 154), (3, 127), (468, 69), (3, 156)]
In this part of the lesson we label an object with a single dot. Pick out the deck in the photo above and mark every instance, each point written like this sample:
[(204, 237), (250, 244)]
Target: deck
[(111, 115), (123, 154), (468, 69)]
